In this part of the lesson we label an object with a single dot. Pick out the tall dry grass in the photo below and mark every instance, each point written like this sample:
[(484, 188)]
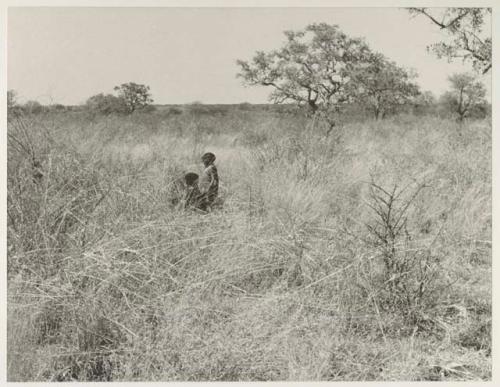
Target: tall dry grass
[(362, 255)]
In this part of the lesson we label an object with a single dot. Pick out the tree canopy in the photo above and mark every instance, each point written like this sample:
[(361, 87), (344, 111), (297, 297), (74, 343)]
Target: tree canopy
[(323, 68), (382, 85), (465, 26), (134, 95), (466, 93), (312, 68)]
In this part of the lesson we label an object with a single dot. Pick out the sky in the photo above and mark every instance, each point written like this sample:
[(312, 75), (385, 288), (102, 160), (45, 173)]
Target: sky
[(66, 55)]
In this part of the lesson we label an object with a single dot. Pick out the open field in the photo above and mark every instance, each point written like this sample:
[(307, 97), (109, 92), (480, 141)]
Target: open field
[(362, 255)]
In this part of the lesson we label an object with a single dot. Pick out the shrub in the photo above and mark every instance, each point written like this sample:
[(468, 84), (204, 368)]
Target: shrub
[(409, 282), (106, 104), (175, 111), (33, 107)]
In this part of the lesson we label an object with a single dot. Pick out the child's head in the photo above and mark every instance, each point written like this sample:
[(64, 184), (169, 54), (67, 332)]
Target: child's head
[(208, 159), (191, 179)]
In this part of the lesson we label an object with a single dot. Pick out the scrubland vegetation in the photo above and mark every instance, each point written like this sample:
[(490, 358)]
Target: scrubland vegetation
[(364, 254)]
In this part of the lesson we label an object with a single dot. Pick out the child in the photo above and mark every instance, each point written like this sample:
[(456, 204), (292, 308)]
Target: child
[(193, 199), (209, 181)]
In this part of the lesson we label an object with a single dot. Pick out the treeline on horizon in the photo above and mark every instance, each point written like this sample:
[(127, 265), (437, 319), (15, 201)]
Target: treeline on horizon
[(422, 107)]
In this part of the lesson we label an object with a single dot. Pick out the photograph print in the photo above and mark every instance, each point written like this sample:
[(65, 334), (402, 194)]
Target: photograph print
[(249, 194)]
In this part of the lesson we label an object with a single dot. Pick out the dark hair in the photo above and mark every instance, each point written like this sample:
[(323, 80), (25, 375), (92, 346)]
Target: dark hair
[(190, 178), (208, 157)]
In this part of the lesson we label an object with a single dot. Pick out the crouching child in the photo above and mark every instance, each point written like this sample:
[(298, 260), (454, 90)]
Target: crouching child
[(194, 199)]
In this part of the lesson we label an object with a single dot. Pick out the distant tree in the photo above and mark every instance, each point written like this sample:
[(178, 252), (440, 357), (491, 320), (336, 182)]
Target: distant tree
[(57, 107), (480, 110), (381, 85), (246, 106), (174, 110), (13, 108), (33, 107), (136, 96), (313, 68), (466, 94), (106, 104), (465, 26), (198, 108), (427, 98), (11, 99), (425, 103)]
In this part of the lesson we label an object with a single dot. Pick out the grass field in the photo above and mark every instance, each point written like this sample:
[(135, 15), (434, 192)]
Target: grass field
[(362, 255)]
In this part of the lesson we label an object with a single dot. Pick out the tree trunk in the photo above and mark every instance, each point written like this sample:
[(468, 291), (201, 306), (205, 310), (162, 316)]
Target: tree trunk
[(313, 106), (332, 126), (461, 108), (377, 109)]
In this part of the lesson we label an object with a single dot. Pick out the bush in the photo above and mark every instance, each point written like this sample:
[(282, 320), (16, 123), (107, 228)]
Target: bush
[(409, 280), (58, 108), (175, 111), (245, 106), (106, 104), (148, 109), (33, 107)]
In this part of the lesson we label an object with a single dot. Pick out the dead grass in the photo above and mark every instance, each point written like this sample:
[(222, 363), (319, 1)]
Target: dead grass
[(108, 280)]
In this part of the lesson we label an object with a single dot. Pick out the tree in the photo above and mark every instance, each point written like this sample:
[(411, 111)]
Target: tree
[(136, 96), (424, 103), (106, 104), (11, 99), (465, 27), (466, 94), (57, 107), (426, 98), (13, 108), (33, 107), (313, 67), (381, 85)]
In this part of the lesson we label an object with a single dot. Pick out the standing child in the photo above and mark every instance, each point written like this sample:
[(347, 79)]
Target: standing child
[(209, 181)]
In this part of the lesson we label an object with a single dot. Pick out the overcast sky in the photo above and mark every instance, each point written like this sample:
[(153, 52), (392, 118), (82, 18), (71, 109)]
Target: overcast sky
[(65, 55)]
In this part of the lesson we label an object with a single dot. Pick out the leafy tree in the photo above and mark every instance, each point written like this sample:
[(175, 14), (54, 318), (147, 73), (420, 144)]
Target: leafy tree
[(313, 68), (136, 96), (381, 85), (480, 110), (465, 27), (424, 103), (427, 98), (106, 104), (466, 94)]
